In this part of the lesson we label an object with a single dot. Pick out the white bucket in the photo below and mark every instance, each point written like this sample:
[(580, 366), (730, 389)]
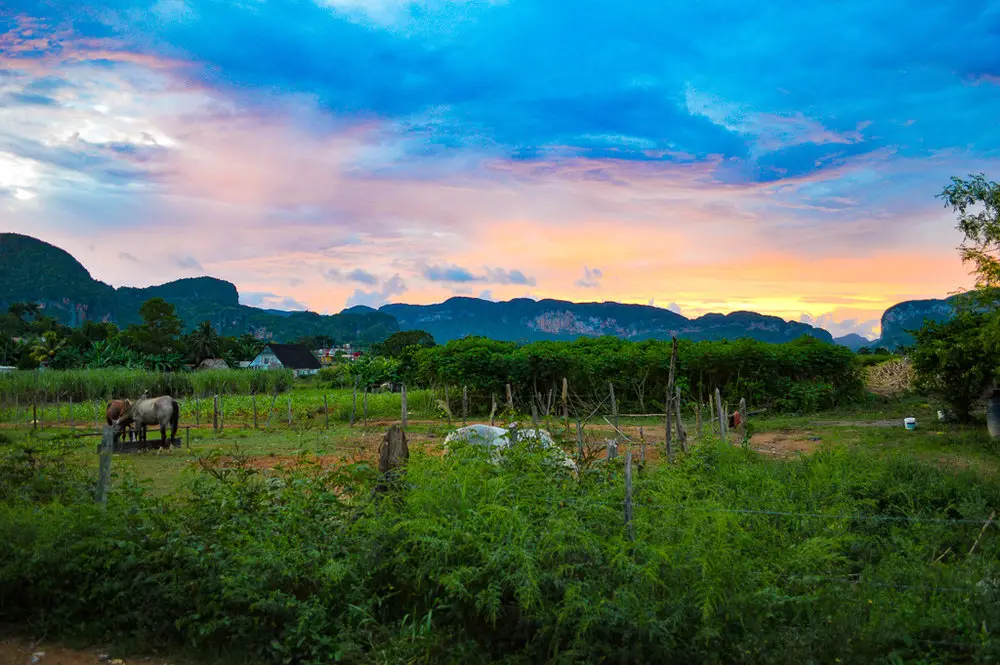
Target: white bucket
[(910, 423)]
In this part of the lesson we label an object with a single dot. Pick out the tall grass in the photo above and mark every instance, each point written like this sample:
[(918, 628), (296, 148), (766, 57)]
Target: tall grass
[(101, 384), (480, 564)]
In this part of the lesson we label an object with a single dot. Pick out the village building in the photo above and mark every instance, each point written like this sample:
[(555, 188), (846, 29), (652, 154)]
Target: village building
[(295, 357)]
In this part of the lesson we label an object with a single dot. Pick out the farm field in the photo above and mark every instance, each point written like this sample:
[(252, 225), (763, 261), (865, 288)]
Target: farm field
[(838, 529)]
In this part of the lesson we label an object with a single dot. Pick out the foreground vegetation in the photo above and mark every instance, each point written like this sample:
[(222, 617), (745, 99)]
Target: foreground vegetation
[(859, 555)]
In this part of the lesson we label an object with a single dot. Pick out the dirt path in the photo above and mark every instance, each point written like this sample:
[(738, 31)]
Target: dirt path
[(19, 652)]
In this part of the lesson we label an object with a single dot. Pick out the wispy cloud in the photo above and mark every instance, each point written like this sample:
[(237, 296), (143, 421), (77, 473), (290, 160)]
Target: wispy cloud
[(591, 278), (393, 286), (356, 275)]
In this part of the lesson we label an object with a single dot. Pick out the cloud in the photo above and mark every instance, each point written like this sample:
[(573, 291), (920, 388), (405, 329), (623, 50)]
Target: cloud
[(356, 275), (268, 300), (125, 256), (459, 275), (501, 276), (393, 286), (452, 273), (188, 262), (844, 327), (591, 278), (675, 308), (486, 294)]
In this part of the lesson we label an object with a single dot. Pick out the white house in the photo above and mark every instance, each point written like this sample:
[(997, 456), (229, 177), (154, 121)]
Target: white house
[(295, 357)]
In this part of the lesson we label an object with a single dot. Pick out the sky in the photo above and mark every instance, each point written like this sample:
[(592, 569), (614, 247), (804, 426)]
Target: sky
[(781, 157)]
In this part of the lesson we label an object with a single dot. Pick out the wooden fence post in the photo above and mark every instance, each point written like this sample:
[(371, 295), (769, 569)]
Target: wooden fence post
[(187, 437), (579, 438), (197, 412), (614, 408), (465, 405), (681, 433), (354, 403), (253, 401), (289, 411), (403, 408), (72, 416), (215, 413), (565, 403), (366, 406), (326, 412), (104, 465), (534, 414), (222, 413), (493, 408), (697, 416), (628, 494), (510, 398), (668, 405), (612, 448), (274, 400), (642, 445), (743, 421), (720, 414)]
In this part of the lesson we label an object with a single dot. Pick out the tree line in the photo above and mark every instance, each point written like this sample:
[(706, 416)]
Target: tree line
[(803, 375), (29, 339)]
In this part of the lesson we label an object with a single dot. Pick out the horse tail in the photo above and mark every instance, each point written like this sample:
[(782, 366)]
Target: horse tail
[(175, 418)]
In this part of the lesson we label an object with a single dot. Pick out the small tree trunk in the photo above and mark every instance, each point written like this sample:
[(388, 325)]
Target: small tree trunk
[(392, 458), (493, 408), (720, 414), (510, 399)]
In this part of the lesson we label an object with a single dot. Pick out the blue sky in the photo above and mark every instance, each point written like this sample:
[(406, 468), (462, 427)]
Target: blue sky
[(782, 157)]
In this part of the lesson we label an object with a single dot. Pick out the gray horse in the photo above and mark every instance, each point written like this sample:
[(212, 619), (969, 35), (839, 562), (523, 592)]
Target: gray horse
[(162, 411)]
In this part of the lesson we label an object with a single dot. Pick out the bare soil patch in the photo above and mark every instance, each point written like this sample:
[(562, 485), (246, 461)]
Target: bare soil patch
[(19, 652)]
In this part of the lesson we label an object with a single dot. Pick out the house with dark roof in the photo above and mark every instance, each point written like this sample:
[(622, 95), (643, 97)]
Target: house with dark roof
[(295, 357)]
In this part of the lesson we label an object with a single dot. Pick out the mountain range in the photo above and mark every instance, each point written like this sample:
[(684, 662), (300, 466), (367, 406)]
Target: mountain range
[(37, 271)]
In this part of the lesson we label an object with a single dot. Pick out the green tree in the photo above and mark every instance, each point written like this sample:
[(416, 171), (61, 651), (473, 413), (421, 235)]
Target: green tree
[(977, 202), (159, 331), (955, 360), (396, 345), (203, 343), (25, 309), (46, 347)]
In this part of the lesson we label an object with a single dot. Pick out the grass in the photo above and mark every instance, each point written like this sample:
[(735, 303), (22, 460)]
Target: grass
[(513, 564)]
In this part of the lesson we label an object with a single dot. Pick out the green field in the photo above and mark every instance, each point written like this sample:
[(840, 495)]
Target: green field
[(836, 537)]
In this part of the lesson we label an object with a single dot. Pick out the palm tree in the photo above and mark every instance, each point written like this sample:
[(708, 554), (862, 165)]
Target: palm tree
[(46, 347), (204, 343)]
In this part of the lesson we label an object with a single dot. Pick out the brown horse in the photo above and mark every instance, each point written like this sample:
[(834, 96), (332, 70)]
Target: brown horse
[(163, 411), (116, 408)]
